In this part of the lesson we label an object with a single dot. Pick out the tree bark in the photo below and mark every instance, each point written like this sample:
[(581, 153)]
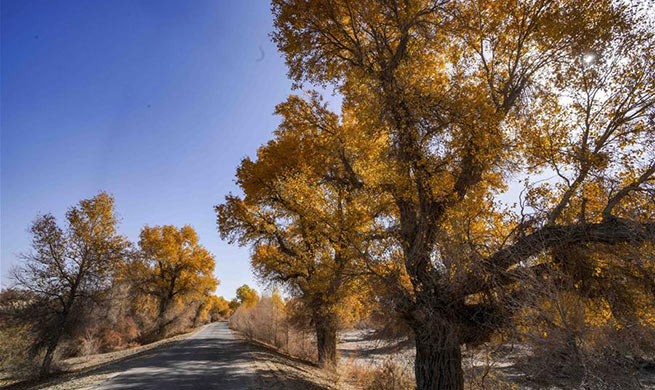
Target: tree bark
[(50, 350), (59, 330), (196, 317), (47, 359), (438, 364), (326, 341), (162, 322)]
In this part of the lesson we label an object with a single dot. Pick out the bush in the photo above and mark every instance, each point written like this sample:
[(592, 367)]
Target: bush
[(112, 339), (89, 344), (391, 374), (579, 342), (264, 321), (480, 373), (596, 358), (396, 373), (15, 359)]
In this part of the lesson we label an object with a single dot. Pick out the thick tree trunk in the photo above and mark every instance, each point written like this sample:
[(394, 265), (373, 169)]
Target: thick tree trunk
[(438, 363), (326, 341), (162, 322)]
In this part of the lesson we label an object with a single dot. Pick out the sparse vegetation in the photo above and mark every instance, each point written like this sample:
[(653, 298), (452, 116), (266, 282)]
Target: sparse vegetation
[(389, 375), (271, 321)]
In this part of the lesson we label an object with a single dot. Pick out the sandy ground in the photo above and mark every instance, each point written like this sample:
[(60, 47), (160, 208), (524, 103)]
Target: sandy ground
[(360, 348)]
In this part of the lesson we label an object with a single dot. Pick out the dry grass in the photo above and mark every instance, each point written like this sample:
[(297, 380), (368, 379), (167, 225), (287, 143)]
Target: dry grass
[(268, 323), (15, 359), (390, 375)]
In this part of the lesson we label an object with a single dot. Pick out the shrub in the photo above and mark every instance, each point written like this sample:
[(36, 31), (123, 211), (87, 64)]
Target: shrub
[(267, 321), (111, 340), (391, 374), (15, 358), (89, 344)]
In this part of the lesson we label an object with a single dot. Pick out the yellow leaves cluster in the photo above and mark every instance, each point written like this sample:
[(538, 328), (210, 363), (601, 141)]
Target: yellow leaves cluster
[(305, 207), (247, 296), (174, 266)]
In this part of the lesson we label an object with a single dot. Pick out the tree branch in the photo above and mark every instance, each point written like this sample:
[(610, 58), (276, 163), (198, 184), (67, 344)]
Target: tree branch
[(611, 231)]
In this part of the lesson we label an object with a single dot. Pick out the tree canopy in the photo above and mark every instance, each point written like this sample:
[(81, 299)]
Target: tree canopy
[(247, 296)]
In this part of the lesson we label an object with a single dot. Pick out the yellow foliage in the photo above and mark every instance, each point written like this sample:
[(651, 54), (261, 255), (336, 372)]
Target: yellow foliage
[(173, 267), (247, 296)]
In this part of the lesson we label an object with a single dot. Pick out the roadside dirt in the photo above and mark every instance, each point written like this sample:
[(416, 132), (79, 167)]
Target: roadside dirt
[(293, 373)]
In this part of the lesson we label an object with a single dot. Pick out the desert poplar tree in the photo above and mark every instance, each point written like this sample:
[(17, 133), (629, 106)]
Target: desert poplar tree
[(470, 97), (68, 268), (173, 269), (307, 217)]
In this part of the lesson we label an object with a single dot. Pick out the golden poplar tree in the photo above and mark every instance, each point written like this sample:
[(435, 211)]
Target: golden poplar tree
[(219, 308), (172, 268), (470, 97), (247, 296), (306, 215)]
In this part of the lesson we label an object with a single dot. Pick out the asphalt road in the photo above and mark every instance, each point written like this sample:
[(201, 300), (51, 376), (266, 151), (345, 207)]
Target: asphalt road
[(210, 359)]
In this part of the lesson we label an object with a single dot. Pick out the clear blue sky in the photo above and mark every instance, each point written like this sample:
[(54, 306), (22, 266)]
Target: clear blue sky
[(153, 101)]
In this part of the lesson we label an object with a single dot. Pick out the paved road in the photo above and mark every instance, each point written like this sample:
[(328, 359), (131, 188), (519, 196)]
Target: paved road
[(210, 359)]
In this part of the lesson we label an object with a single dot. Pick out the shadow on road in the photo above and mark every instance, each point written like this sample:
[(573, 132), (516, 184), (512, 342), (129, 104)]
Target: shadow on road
[(205, 363)]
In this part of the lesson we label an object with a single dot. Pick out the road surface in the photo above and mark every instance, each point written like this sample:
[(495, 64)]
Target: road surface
[(210, 359)]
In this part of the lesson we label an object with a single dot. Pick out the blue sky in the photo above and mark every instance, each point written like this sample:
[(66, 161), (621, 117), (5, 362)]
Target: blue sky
[(154, 101)]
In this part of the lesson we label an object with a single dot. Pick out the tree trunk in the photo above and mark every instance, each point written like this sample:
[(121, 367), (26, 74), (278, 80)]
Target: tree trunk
[(47, 359), (58, 332), (196, 317), (438, 364), (50, 351), (162, 322), (326, 341)]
